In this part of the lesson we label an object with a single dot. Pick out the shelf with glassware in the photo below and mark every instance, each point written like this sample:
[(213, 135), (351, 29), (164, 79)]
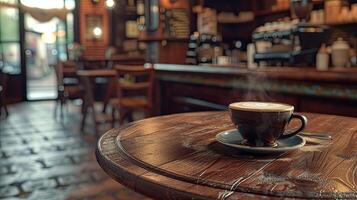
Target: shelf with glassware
[(164, 29), (322, 13), (126, 27), (281, 6), (235, 24), (311, 35), (333, 12)]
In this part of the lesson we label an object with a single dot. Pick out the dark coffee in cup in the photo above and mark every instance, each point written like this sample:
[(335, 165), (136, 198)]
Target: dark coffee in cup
[(263, 123)]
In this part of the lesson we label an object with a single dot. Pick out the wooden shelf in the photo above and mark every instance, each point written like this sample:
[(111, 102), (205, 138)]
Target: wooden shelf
[(270, 11), (153, 39), (346, 23), (236, 23), (281, 10)]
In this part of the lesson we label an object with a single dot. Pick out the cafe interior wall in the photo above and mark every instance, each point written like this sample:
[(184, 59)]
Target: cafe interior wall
[(96, 47), (90, 13), (164, 48)]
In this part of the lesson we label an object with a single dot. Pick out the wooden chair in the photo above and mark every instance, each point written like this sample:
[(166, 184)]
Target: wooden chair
[(134, 92), (88, 81), (68, 85), (121, 60), (3, 88)]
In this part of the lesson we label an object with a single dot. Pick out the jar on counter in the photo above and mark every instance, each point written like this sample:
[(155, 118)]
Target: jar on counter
[(340, 51)]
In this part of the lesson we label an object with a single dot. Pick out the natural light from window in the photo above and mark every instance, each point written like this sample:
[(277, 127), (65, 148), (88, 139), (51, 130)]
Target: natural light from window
[(49, 4), (8, 1)]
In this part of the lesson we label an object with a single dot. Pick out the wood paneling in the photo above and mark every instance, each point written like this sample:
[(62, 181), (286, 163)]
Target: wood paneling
[(169, 50), (174, 52), (167, 4), (94, 48)]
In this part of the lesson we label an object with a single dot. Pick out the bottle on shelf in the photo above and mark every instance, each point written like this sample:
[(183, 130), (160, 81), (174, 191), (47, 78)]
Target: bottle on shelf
[(322, 58)]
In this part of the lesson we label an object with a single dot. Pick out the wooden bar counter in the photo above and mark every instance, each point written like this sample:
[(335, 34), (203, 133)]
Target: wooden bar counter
[(186, 88)]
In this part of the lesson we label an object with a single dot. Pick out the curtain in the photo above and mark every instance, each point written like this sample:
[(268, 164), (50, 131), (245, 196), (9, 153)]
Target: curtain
[(45, 15)]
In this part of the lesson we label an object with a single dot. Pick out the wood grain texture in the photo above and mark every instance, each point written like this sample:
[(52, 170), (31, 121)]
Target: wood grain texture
[(176, 156)]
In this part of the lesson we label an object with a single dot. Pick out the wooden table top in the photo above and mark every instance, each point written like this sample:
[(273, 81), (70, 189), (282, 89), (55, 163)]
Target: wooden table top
[(178, 156)]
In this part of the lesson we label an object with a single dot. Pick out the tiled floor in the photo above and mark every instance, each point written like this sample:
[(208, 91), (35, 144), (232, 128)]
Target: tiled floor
[(44, 158)]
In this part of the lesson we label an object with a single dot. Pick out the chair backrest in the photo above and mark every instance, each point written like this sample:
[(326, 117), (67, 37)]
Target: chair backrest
[(66, 70), (135, 78), (126, 60), (89, 63)]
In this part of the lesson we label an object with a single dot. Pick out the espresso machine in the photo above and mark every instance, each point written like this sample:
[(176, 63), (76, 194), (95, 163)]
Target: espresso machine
[(294, 42)]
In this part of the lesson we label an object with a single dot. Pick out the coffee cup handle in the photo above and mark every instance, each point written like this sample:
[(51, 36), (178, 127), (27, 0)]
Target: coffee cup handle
[(303, 120)]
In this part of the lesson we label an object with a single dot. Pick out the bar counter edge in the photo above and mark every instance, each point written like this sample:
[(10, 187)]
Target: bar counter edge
[(184, 88)]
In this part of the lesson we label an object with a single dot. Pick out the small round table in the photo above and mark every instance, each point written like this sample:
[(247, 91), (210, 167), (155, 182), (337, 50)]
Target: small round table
[(177, 157)]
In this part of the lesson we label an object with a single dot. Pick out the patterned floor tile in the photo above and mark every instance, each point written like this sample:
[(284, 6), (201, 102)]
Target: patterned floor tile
[(47, 158)]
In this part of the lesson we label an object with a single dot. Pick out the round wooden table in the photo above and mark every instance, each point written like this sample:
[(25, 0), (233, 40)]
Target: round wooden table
[(177, 157)]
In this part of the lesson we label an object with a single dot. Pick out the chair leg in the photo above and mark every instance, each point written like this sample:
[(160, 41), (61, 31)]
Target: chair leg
[(3, 106), (55, 110), (66, 108), (148, 113), (6, 110), (83, 107), (104, 110), (122, 115), (94, 118), (61, 109), (84, 116), (113, 117), (130, 116), (108, 94)]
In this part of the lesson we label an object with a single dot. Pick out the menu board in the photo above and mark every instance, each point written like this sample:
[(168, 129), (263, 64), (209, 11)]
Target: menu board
[(207, 21), (131, 29), (177, 23)]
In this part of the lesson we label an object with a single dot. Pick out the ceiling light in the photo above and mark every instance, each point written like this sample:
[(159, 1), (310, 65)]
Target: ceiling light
[(110, 3), (97, 32)]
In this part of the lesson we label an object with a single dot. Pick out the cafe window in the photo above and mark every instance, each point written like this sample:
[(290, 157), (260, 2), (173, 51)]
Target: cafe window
[(57, 32), (61, 41), (9, 37), (70, 5), (9, 1), (47, 4), (70, 26)]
